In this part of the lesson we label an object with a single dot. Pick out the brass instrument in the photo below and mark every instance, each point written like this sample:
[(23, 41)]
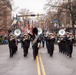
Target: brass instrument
[(17, 32), (61, 32), (26, 37), (51, 35), (12, 37)]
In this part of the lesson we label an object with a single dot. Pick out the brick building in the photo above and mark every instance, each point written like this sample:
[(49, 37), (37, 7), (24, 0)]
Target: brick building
[(5, 16)]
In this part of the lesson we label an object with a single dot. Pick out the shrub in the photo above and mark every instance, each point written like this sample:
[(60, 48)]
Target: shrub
[(0, 40)]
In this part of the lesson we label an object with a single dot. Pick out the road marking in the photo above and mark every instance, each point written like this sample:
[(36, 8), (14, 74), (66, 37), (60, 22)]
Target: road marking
[(38, 65), (42, 66)]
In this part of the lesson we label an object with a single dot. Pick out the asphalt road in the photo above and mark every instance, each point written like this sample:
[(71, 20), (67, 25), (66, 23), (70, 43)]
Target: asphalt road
[(59, 64), (18, 65)]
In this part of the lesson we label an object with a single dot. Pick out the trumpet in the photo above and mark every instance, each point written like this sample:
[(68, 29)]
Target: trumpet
[(26, 37)]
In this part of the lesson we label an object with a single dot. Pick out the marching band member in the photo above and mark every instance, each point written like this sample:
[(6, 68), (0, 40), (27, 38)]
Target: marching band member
[(21, 39), (47, 43), (59, 42), (69, 42), (51, 40), (25, 43), (65, 43), (35, 41), (12, 45), (63, 47)]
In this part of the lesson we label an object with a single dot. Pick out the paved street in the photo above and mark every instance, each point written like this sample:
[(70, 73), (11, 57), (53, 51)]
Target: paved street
[(18, 65), (59, 64)]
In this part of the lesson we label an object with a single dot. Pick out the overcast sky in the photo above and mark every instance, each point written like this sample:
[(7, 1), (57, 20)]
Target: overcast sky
[(32, 5)]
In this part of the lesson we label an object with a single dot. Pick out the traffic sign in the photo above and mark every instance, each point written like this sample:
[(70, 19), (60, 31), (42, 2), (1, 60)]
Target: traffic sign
[(55, 21)]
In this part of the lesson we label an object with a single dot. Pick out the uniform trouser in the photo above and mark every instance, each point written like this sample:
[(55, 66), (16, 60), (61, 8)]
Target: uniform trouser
[(25, 50), (16, 48), (51, 52), (35, 51), (12, 50), (59, 47), (47, 46), (70, 51), (43, 43), (51, 49), (63, 48)]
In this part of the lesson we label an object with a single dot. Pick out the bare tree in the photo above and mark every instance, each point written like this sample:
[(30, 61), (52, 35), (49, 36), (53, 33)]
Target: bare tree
[(73, 14), (59, 6)]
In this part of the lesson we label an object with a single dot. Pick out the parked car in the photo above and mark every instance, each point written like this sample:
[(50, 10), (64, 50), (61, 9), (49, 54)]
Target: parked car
[(4, 41)]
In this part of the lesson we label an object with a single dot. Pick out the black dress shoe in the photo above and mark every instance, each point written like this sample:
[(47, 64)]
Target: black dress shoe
[(34, 58), (51, 55), (25, 55), (11, 56), (70, 56)]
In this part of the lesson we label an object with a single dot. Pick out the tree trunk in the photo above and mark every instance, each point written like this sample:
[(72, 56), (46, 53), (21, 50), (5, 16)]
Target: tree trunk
[(73, 25)]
